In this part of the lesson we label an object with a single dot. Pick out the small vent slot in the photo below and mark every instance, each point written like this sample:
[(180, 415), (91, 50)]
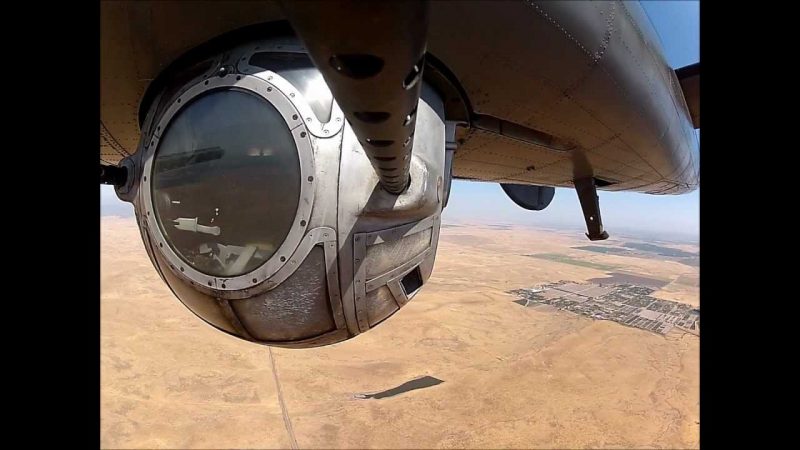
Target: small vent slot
[(412, 281)]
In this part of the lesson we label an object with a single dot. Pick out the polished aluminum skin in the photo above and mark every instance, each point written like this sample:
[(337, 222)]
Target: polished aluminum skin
[(354, 254)]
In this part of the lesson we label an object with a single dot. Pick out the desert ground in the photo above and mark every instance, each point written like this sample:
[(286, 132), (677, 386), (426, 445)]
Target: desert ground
[(511, 376)]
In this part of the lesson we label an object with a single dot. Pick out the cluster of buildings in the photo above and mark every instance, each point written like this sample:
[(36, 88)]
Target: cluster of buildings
[(626, 304)]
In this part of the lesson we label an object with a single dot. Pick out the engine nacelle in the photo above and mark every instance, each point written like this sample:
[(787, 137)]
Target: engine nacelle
[(262, 212)]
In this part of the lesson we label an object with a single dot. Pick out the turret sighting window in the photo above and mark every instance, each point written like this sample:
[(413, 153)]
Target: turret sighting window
[(226, 182)]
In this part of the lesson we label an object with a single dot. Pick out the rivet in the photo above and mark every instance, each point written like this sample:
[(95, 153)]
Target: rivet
[(294, 116), (303, 134), (223, 285), (269, 89)]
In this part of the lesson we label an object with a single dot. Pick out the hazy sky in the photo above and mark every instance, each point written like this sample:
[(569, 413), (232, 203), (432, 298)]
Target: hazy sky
[(678, 25)]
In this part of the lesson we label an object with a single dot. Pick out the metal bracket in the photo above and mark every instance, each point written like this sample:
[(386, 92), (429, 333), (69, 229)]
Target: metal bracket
[(590, 204), (114, 175), (450, 150)]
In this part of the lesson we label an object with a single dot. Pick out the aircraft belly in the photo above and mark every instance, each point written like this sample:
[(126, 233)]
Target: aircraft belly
[(589, 73)]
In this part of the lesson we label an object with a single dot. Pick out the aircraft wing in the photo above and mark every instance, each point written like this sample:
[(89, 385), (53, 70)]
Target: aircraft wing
[(544, 92)]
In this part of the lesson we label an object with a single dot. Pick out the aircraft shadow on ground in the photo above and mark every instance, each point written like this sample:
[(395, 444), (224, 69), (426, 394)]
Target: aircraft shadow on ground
[(417, 383)]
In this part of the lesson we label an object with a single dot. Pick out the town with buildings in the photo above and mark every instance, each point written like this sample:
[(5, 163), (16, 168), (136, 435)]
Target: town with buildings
[(626, 304)]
